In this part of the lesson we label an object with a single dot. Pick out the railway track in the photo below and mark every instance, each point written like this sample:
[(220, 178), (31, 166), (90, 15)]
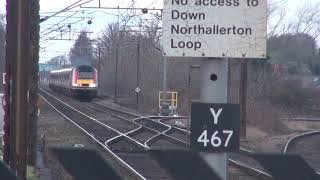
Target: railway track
[(307, 145), (149, 122), (151, 131), (144, 133), (305, 119), (120, 145), (240, 161), (98, 136)]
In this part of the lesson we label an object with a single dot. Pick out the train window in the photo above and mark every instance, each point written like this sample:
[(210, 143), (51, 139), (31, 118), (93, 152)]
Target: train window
[(85, 68), (85, 72), (85, 75)]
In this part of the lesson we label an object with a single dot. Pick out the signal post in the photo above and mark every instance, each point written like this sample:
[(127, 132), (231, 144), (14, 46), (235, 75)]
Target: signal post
[(214, 31)]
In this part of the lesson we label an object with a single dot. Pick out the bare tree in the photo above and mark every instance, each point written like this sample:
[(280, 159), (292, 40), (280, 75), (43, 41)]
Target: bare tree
[(82, 51), (308, 19), (304, 20), (58, 61), (275, 15)]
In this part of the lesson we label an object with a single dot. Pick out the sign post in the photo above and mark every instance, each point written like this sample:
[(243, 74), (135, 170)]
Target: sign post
[(4, 78), (215, 30), (214, 88)]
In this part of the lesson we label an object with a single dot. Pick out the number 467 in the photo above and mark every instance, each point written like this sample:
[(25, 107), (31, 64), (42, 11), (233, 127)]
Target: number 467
[(215, 139)]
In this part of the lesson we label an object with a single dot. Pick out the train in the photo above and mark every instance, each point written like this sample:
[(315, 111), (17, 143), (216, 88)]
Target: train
[(79, 81)]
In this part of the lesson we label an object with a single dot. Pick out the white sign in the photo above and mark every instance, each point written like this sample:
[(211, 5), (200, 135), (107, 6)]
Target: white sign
[(137, 90), (4, 78), (215, 28)]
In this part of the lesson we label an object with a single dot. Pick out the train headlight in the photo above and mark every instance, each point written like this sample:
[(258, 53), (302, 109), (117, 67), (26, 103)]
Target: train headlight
[(92, 85)]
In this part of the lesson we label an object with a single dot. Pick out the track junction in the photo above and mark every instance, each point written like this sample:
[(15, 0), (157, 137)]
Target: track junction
[(128, 137)]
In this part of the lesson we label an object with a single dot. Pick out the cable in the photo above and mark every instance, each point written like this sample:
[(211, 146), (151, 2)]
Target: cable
[(61, 29), (58, 22), (53, 12), (103, 12), (155, 1), (72, 6), (70, 17)]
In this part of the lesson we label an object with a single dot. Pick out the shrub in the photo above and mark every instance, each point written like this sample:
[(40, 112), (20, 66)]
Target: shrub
[(289, 93)]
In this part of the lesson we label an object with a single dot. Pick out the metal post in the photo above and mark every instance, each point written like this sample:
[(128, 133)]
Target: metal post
[(190, 97), (243, 97), (99, 68), (189, 104), (165, 106), (60, 64), (214, 88), (138, 72), (164, 99), (116, 74)]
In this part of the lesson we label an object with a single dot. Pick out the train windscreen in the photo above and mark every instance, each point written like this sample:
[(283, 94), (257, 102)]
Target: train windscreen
[(85, 72)]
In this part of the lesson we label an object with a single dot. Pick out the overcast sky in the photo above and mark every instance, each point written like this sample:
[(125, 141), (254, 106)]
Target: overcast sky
[(99, 18)]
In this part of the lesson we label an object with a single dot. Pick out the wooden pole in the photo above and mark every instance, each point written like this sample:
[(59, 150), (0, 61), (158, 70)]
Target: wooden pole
[(18, 39)]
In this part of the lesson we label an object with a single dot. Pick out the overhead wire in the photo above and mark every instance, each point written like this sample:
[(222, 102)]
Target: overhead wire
[(59, 28), (57, 23), (52, 12), (70, 17), (72, 6), (155, 1), (62, 29), (62, 37), (102, 12), (68, 8)]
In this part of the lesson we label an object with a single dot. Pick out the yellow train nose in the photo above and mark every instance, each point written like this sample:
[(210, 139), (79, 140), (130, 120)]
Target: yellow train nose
[(84, 82)]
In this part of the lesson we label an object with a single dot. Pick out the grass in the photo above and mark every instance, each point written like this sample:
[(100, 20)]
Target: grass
[(32, 174)]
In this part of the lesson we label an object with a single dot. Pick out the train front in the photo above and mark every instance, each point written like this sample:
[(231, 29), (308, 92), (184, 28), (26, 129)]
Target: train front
[(84, 81)]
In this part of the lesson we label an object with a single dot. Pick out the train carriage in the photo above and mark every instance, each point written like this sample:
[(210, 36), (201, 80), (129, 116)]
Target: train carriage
[(80, 81)]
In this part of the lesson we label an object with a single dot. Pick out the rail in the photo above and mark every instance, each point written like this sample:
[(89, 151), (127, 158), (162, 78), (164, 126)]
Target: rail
[(247, 168), (132, 173), (307, 119), (241, 165), (294, 139)]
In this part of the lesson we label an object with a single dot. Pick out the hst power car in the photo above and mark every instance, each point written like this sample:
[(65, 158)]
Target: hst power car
[(79, 81)]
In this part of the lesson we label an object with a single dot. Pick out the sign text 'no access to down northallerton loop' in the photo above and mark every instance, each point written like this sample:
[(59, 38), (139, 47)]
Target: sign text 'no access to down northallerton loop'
[(215, 28)]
